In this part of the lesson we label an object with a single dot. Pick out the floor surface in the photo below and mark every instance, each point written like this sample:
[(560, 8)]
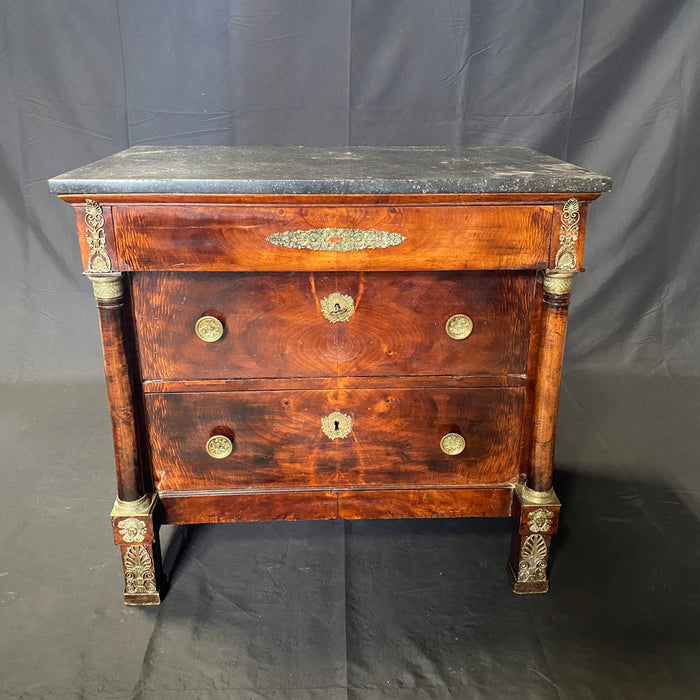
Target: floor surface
[(367, 609)]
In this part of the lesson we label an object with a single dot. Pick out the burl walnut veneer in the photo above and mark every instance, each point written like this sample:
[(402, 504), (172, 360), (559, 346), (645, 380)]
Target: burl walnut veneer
[(295, 333)]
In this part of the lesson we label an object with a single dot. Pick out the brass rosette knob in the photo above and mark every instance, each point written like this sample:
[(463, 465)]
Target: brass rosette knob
[(219, 446), (209, 329), (459, 327), (452, 444)]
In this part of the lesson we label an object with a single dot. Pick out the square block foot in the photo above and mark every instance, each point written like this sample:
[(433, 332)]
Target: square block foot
[(526, 587), (142, 598)]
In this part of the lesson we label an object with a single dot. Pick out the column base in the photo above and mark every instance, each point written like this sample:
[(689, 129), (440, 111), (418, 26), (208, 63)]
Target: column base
[(136, 533), (535, 520)]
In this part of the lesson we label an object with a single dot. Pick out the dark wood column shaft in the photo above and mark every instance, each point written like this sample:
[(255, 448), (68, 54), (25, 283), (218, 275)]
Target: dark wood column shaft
[(119, 373), (557, 287)]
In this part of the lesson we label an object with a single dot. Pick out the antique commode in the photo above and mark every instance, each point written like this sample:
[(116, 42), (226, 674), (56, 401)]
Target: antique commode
[(297, 333)]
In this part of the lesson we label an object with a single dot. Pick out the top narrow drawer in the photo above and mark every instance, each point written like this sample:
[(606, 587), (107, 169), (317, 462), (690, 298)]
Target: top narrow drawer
[(227, 237)]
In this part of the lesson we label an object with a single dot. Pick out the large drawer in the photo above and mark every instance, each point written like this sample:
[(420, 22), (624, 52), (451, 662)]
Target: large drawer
[(286, 324), (327, 438), (323, 237)]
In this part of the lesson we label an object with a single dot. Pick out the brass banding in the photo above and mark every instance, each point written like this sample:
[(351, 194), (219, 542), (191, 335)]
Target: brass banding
[(219, 446), (459, 326), (141, 506), (209, 329), (106, 286), (452, 444), (558, 282), (539, 497)]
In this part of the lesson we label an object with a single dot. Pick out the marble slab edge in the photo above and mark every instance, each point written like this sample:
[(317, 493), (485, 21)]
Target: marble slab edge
[(336, 186)]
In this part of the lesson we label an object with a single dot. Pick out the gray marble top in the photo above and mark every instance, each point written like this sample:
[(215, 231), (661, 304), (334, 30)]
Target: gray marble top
[(305, 170)]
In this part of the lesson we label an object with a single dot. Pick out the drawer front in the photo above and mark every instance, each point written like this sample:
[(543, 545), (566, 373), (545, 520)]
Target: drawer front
[(287, 324), (329, 438), (316, 237)]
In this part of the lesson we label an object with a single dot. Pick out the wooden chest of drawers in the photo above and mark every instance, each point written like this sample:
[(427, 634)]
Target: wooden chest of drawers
[(308, 333)]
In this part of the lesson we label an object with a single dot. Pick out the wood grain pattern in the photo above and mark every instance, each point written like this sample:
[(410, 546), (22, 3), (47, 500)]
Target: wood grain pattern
[(121, 374), (425, 503), (233, 237), (279, 441), (275, 327), (531, 381), (281, 366), (548, 383), (246, 506), (219, 507), (295, 383)]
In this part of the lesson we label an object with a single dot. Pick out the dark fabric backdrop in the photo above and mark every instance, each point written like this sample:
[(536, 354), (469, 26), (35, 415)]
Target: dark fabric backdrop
[(362, 610), (611, 85)]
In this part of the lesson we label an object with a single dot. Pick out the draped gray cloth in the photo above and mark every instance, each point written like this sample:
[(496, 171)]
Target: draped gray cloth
[(368, 609), (610, 86)]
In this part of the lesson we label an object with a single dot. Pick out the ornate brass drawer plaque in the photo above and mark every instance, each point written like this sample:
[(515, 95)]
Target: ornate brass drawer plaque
[(339, 240)]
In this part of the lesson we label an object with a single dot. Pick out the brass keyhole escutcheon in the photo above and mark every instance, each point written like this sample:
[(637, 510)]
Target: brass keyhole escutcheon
[(337, 307), (459, 326), (209, 329), (336, 425), (452, 444), (219, 446)]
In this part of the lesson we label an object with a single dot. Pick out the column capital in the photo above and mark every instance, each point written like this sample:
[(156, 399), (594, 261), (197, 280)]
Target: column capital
[(107, 286)]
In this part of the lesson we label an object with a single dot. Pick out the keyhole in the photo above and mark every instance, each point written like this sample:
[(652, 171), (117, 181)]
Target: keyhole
[(337, 425)]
